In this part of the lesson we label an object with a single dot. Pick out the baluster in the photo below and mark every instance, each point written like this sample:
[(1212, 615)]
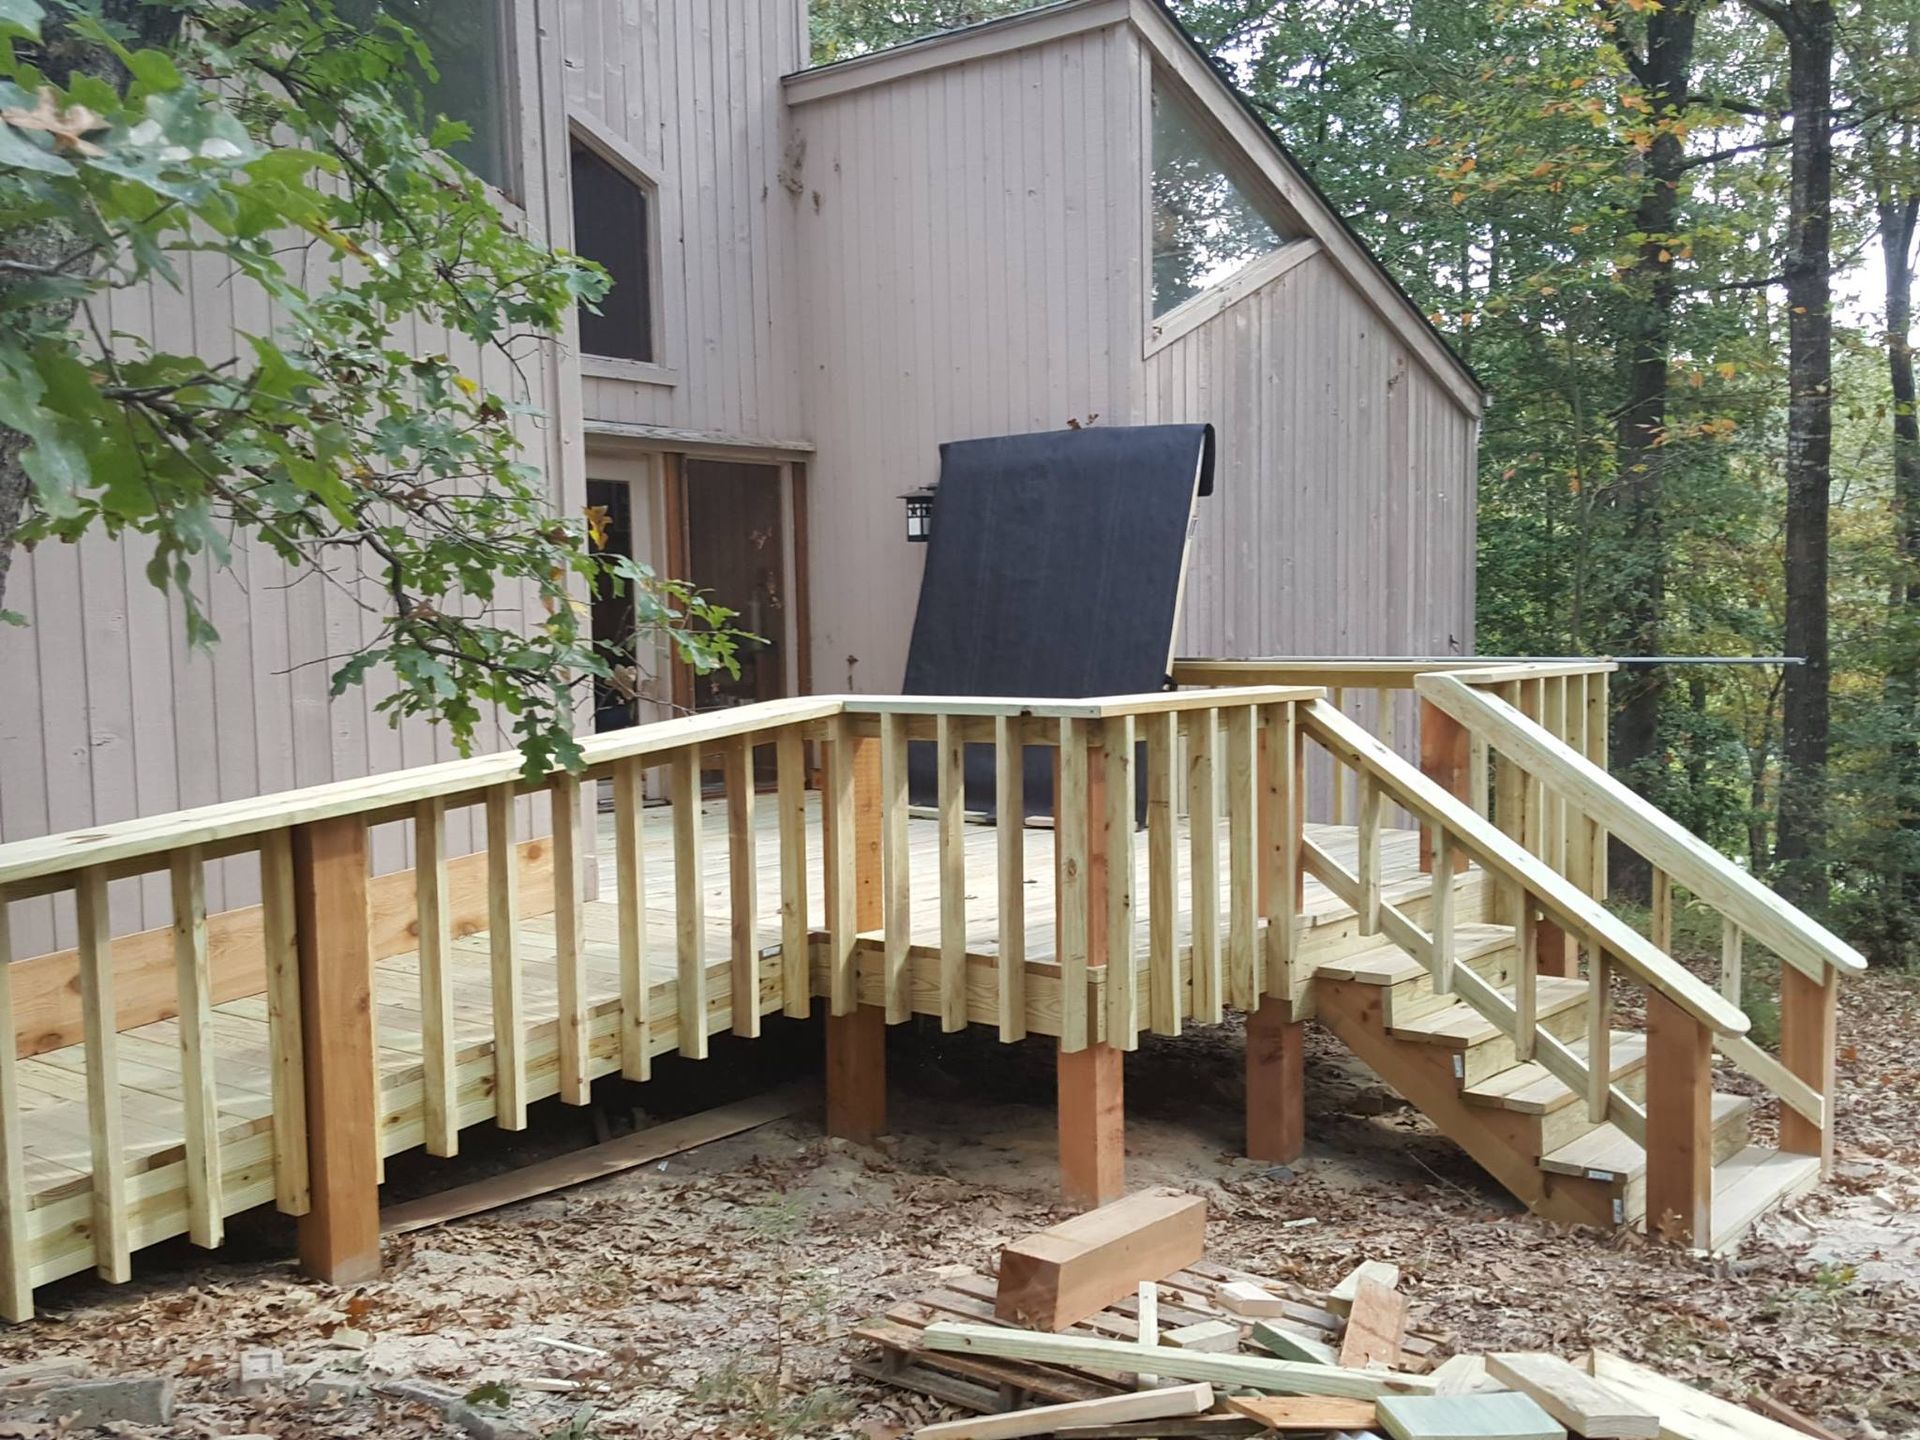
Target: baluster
[(1444, 759), (1553, 827), (896, 869), (198, 1088), (1384, 715), (1480, 776), (1165, 994), (1660, 917), (629, 859), (1599, 1032), (1123, 985), (1596, 736), (286, 1039), (1731, 946), (1203, 838), (1244, 982), (1526, 994), (743, 884), (1334, 769), (1372, 804), (503, 943), (1070, 838), (689, 914), (110, 1247), (1442, 908), (796, 979), (1579, 868), (438, 1101), (1533, 790), (569, 954), (951, 754), (1010, 846), (841, 877), (16, 1260)]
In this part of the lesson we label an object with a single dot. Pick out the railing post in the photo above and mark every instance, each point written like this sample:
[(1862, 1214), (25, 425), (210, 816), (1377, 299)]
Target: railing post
[(340, 1233), (1091, 1079), (1679, 1124), (857, 1040), (1808, 1016), (1276, 1042), (1446, 758)]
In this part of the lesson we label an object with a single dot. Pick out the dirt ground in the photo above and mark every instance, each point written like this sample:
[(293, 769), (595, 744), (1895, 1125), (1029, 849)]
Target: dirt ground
[(713, 1291)]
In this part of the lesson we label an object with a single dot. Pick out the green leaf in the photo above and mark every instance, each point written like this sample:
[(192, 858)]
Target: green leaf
[(17, 152), (23, 16), (58, 469)]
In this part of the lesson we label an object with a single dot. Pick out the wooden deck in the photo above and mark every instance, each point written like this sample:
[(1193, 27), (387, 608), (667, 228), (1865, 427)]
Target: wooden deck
[(54, 1085)]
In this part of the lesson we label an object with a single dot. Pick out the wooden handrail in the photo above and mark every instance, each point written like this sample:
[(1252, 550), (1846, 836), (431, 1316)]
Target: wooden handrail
[(1667, 844), (1378, 672), (1564, 903)]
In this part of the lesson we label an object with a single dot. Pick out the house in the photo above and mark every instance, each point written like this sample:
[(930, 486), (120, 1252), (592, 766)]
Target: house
[(284, 972), (820, 275)]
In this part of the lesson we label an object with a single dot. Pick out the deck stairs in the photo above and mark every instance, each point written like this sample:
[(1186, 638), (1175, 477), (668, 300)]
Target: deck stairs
[(1524, 1126)]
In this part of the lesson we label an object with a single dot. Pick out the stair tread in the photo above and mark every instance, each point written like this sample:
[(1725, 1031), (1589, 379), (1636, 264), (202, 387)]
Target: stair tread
[(1388, 964), (1461, 1027), (1609, 1150), (1748, 1184), (1535, 1090)]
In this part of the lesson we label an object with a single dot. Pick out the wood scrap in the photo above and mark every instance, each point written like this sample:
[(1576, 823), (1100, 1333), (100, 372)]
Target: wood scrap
[(1304, 1412), (1504, 1416), (578, 1167), (1174, 1400), (1340, 1298), (1289, 1345), (1462, 1375), (1376, 1325), (1194, 1427), (1241, 1297), (1791, 1418), (1574, 1398), (1147, 1326), (1063, 1274), (1685, 1413), (1123, 1356), (1219, 1337)]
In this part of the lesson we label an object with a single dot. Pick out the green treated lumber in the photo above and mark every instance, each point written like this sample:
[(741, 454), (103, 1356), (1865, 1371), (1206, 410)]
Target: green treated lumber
[(1289, 1346), (1466, 1417), (1123, 1357)]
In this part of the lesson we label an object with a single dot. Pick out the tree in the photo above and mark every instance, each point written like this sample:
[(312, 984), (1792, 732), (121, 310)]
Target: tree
[(288, 147)]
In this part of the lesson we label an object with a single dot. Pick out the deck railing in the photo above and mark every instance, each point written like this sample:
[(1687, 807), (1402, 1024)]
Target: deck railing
[(319, 1152)]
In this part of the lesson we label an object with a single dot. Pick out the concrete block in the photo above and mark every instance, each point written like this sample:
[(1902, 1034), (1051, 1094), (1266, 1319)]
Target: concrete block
[(135, 1399)]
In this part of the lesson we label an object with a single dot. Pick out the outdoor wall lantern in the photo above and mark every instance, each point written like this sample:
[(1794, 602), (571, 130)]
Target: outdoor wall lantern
[(920, 514)]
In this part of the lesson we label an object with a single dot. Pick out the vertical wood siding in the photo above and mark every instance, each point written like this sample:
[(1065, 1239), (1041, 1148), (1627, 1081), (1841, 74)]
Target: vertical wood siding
[(970, 266)]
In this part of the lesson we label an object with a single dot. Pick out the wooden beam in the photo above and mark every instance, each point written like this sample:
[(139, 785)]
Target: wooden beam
[(1809, 1016), (1276, 1083), (198, 1084), (1679, 1124), (1315, 1414), (857, 1038), (1059, 1276), (1583, 1404), (1162, 1404), (1092, 1106), (1090, 1079), (340, 1233)]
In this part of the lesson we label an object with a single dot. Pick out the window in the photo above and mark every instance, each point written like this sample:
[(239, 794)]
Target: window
[(1205, 227), (613, 226), (468, 42)]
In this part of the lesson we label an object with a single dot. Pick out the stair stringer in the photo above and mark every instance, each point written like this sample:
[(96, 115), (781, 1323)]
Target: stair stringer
[(1423, 1076)]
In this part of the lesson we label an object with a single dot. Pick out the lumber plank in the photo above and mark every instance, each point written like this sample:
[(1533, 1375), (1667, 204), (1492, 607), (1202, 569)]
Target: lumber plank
[(1340, 1298), (1290, 1346), (1217, 1337), (1574, 1398), (1125, 1357), (1503, 1416), (1059, 1276), (1243, 1297), (1685, 1413), (1376, 1326), (1165, 1403), (564, 1171), (1304, 1412)]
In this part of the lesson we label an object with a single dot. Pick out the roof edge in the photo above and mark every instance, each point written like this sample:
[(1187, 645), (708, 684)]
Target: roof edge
[(1006, 33)]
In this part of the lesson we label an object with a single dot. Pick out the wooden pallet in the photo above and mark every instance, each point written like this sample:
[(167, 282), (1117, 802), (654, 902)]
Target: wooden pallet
[(988, 1386)]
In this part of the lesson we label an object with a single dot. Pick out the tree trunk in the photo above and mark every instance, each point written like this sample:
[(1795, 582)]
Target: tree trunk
[(1898, 216), (1641, 586), (1800, 843)]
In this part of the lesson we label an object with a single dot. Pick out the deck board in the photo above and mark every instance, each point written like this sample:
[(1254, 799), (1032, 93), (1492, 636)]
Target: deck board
[(53, 1085)]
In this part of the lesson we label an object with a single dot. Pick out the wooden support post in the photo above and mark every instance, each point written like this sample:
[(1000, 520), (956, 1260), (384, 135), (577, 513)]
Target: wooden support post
[(1446, 758), (857, 1040), (1558, 954), (1276, 1083), (1090, 1080), (1679, 1124), (340, 1233), (1808, 1016)]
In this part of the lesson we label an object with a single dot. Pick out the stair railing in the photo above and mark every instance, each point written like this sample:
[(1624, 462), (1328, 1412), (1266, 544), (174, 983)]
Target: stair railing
[(1686, 1016), (1813, 958)]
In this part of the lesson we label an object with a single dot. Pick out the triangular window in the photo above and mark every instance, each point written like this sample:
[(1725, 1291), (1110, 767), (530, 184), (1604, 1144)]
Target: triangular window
[(1205, 227)]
